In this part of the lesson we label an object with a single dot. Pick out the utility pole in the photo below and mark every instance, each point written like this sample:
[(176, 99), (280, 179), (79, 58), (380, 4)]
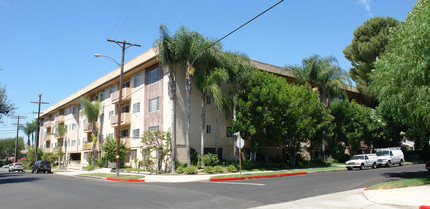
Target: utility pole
[(124, 45), (17, 134), (37, 127)]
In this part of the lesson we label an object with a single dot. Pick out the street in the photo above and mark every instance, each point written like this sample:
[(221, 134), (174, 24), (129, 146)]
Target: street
[(26, 190)]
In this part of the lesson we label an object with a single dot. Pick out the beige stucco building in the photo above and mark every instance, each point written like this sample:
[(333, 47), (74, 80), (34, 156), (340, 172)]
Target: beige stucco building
[(145, 106)]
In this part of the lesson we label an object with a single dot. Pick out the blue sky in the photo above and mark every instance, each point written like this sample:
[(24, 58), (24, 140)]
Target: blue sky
[(47, 47)]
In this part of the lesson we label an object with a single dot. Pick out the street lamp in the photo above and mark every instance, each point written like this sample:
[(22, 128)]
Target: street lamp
[(118, 133)]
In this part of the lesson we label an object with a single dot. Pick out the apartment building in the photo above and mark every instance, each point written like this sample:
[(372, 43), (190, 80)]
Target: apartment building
[(145, 106)]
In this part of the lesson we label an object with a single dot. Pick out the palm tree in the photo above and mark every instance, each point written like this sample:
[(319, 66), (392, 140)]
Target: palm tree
[(191, 49), (209, 84), (59, 134), (323, 74), (29, 129), (168, 59), (91, 111)]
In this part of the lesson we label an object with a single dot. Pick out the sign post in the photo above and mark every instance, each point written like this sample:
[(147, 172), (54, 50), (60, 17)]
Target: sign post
[(239, 143)]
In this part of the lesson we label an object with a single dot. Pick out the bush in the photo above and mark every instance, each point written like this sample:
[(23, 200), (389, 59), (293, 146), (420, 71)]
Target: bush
[(100, 162), (210, 159), (247, 165), (193, 156), (231, 168), (89, 168), (209, 169), (191, 170), (180, 170), (218, 169)]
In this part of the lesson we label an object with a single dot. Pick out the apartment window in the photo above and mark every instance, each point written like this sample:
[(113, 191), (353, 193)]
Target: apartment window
[(85, 121), (229, 132), (102, 95), (154, 75), (208, 100), (126, 84), (73, 143), (133, 154), (111, 90), (102, 117), (73, 110), (110, 135), (84, 140), (153, 104), (125, 108), (67, 111), (124, 133), (136, 107), (208, 129), (110, 113), (136, 133), (136, 81), (153, 128)]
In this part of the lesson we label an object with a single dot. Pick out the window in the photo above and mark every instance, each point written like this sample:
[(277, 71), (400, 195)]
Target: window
[(73, 110), (136, 81), (208, 100), (153, 104), (67, 111), (154, 75), (229, 132), (73, 143), (110, 113), (136, 107), (102, 95), (110, 135), (133, 154), (111, 90), (136, 133), (124, 133), (125, 108), (102, 117), (208, 129), (153, 128), (126, 84)]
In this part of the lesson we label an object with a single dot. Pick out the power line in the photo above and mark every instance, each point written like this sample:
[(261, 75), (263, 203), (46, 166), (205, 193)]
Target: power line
[(119, 17)]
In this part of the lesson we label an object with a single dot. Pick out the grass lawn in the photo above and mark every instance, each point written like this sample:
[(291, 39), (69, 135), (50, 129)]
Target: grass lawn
[(277, 172), (60, 171), (108, 175), (401, 183)]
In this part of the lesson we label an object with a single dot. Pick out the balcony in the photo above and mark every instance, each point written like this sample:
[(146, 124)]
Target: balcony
[(88, 127), (47, 124), (59, 119), (126, 95), (48, 137), (87, 146), (125, 119)]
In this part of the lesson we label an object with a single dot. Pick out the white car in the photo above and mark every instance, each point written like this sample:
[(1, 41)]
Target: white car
[(361, 161), (389, 156), (6, 166), (16, 167)]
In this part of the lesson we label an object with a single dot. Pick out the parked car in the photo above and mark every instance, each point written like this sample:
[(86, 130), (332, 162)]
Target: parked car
[(41, 166), (362, 161), (428, 166), (16, 167), (389, 156), (6, 166)]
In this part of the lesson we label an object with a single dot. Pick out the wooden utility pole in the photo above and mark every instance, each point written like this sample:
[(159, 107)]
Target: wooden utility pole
[(37, 127), (17, 134), (124, 45)]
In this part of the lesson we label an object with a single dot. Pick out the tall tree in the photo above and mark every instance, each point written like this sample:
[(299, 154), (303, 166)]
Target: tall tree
[(208, 82), (91, 111), (324, 74), (401, 78), (168, 57), (368, 43), (192, 49), (60, 131), (29, 129), (6, 107)]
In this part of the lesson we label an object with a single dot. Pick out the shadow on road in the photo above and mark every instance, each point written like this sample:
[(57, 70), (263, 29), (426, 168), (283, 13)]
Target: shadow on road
[(406, 175), (9, 178)]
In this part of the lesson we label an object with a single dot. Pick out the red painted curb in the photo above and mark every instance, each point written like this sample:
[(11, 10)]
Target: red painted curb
[(424, 207), (127, 180), (257, 177)]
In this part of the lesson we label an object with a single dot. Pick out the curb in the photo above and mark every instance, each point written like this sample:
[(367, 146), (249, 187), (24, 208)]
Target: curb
[(424, 207), (127, 180), (258, 176)]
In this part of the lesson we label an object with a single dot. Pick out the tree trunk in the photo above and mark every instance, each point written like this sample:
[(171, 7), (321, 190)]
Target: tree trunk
[(217, 130), (292, 158), (172, 95), (188, 112), (202, 128)]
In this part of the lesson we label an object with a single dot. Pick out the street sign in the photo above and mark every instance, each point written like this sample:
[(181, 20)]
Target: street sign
[(240, 143)]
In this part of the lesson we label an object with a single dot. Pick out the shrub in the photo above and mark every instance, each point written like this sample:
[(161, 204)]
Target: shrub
[(191, 170), (218, 169), (100, 162), (89, 168), (231, 168), (209, 169), (193, 156), (248, 165), (210, 159), (180, 170)]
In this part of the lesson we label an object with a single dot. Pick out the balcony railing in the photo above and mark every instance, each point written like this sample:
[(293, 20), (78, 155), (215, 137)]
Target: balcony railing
[(87, 146), (59, 119), (88, 127), (47, 124), (125, 119), (126, 95)]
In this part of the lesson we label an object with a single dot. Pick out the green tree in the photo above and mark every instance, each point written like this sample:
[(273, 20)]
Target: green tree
[(6, 107), (29, 129), (7, 147), (60, 131), (91, 111), (368, 43), (169, 59), (30, 156), (401, 78), (109, 147), (157, 141), (323, 74), (208, 82)]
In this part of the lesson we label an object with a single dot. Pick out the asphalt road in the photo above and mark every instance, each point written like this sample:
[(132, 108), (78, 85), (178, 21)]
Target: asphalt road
[(26, 190)]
